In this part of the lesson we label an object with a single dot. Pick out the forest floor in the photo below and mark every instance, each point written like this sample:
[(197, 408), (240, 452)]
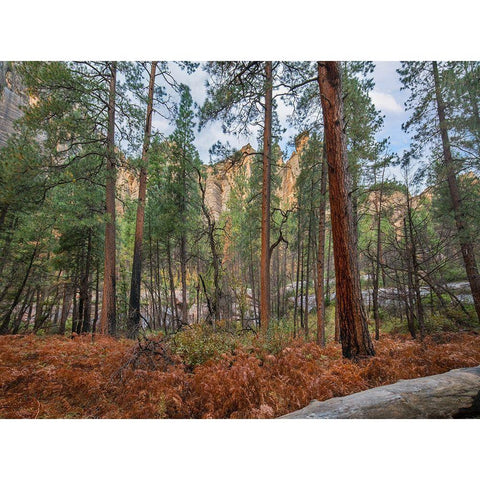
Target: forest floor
[(204, 374)]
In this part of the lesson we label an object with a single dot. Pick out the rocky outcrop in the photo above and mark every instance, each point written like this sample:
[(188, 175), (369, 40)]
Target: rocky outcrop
[(290, 173), (11, 101), (455, 394), (221, 176)]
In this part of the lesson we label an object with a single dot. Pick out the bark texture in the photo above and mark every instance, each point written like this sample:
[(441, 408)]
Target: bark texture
[(266, 188), (135, 286), (354, 333), (321, 255), (108, 319)]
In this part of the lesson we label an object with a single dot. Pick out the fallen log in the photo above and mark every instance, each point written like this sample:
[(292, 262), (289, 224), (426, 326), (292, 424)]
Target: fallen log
[(455, 394)]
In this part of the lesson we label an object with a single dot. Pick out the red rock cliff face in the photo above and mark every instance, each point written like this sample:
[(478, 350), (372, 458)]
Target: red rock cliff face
[(221, 177), (290, 174)]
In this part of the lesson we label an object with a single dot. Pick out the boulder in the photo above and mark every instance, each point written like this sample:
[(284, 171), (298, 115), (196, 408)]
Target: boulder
[(455, 394)]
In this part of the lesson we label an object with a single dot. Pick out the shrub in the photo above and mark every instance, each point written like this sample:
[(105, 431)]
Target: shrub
[(196, 344)]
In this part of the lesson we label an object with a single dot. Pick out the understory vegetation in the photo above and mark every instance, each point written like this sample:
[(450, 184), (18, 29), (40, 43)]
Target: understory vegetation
[(201, 373)]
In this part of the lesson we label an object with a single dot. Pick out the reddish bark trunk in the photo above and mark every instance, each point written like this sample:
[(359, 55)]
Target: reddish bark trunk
[(321, 255), (376, 276), (265, 236), (354, 333), (135, 286), (108, 319)]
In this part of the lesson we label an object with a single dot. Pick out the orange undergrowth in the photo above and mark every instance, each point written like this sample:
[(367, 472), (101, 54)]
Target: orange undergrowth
[(57, 377)]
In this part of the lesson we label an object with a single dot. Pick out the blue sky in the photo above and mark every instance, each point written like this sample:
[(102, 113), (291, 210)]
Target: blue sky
[(387, 97)]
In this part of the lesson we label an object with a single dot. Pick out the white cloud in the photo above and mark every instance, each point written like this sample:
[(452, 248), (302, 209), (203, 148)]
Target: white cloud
[(386, 102)]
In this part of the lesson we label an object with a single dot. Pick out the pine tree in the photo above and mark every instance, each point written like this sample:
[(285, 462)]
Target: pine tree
[(241, 93), (353, 321), (135, 288), (174, 203), (430, 123), (108, 319)]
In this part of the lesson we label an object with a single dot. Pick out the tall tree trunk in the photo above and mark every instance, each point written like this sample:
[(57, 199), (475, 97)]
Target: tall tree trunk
[(85, 289), (376, 314), (39, 313), (81, 291), (65, 309), (27, 304), (75, 312), (198, 297), (354, 333), (416, 268), (329, 256), (97, 297), (252, 281), (8, 314), (158, 288), (30, 310), (135, 286), (153, 281), (216, 260), (337, 337), (297, 277), (409, 300), (307, 281), (309, 249), (173, 297), (165, 291), (302, 284), (56, 314), (183, 275), (266, 186), (376, 270), (321, 254), (108, 319), (217, 297), (277, 282), (466, 244)]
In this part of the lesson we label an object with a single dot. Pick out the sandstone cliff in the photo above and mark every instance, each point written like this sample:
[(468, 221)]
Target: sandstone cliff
[(11, 101), (221, 176)]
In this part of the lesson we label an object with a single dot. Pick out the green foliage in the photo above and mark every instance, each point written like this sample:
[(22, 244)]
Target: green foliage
[(234, 94), (198, 343)]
